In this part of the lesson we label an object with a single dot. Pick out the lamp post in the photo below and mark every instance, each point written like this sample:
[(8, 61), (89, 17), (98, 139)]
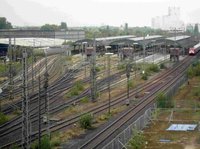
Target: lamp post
[(85, 43), (108, 74), (46, 84), (128, 67)]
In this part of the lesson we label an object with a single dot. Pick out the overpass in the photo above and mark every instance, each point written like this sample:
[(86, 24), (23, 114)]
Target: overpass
[(22, 33)]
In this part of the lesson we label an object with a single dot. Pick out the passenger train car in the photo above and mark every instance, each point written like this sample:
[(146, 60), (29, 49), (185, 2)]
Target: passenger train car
[(194, 50)]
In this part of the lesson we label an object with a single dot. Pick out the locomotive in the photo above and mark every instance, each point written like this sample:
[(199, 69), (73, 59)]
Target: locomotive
[(194, 50)]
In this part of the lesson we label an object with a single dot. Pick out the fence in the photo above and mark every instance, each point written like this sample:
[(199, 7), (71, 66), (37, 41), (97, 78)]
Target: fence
[(122, 138), (120, 141)]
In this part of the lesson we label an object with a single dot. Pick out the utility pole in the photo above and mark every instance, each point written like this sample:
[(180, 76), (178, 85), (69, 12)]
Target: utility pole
[(39, 110), (46, 84), (25, 103), (108, 75), (32, 71), (128, 67), (93, 72), (11, 83)]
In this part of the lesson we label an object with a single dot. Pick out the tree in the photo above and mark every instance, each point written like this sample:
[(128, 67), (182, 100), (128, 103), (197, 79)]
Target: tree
[(49, 27), (196, 29), (63, 25), (4, 24)]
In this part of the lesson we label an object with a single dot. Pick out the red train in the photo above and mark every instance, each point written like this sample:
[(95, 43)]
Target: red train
[(194, 50)]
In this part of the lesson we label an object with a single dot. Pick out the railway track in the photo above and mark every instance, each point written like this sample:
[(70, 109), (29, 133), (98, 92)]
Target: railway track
[(102, 137), (101, 108)]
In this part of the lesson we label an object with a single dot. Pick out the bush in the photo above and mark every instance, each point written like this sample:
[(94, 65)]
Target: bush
[(137, 141), (162, 66), (79, 86), (163, 101), (145, 76), (86, 121), (121, 67), (3, 118), (84, 99), (153, 68), (45, 143), (97, 69), (130, 84)]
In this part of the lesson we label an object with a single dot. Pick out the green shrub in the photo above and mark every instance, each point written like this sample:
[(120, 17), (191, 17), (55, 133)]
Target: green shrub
[(86, 121), (45, 143), (163, 101), (3, 118), (137, 141), (153, 68), (121, 67), (97, 69), (162, 66), (130, 84), (14, 146), (79, 86), (74, 91), (84, 99), (55, 142), (144, 76)]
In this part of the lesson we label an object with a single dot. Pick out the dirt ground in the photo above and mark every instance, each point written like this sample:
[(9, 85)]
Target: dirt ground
[(186, 111)]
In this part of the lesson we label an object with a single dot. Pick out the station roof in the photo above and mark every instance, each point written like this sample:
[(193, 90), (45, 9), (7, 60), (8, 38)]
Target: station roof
[(138, 40), (36, 42), (115, 38), (104, 40), (146, 38), (178, 38), (183, 41)]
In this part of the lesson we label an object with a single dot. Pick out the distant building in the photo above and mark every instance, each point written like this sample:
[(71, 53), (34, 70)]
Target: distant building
[(169, 22)]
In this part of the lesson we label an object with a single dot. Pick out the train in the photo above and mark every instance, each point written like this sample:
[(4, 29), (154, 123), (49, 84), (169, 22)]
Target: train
[(194, 49)]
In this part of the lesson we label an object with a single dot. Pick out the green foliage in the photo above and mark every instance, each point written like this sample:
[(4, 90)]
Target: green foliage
[(14, 146), (153, 68), (3, 68), (49, 27), (196, 29), (194, 70), (144, 76), (137, 141), (63, 25), (162, 66), (106, 31), (130, 84), (86, 121), (76, 89), (45, 143), (67, 43), (4, 24), (55, 142), (97, 69), (121, 67), (84, 99), (79, 86), (163, 101), (3, 118)]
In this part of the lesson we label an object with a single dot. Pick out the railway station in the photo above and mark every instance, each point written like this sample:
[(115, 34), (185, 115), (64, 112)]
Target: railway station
[(100, 87)]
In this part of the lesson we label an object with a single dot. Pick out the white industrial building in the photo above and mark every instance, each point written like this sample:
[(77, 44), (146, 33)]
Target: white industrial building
[(169, 22)]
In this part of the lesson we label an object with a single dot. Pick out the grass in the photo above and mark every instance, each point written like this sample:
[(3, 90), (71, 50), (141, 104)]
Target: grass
[(185, 98)]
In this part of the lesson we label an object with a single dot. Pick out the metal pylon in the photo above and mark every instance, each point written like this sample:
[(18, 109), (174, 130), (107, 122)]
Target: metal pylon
[(93, 73), (25, 102)]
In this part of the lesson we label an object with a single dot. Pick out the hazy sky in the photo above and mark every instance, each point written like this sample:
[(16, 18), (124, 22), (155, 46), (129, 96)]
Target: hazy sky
[(94, 12)]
